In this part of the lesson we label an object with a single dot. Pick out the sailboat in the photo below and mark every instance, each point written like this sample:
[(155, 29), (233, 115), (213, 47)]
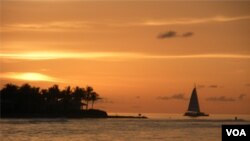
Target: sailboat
[(194, 108)]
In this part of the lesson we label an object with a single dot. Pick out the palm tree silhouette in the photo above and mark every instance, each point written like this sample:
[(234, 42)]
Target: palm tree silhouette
[(94, 97), (79, 96), (66, 98), (28, 100), (88, 95)]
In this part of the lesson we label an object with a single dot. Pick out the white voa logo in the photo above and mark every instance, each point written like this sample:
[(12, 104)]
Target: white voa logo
[(236, 132)]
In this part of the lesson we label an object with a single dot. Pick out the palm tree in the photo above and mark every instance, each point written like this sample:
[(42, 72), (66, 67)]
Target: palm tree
[(94, 97), (29, 99), (54, 98), (9, 92), (66, 97), (78, 96), (89, 92), (9, 98), (25, 98)]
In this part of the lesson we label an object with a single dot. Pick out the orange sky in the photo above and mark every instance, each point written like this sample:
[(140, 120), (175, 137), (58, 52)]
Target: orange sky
[(140, 56)]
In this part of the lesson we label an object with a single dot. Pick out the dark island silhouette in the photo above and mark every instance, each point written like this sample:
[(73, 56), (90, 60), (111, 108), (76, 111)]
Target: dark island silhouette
[(28, 101)]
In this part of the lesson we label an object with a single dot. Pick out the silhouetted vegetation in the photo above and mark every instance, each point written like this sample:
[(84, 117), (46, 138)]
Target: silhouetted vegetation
[(30, 101)]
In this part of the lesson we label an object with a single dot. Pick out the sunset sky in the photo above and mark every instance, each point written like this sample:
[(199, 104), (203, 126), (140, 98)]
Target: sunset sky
[(140, 56)]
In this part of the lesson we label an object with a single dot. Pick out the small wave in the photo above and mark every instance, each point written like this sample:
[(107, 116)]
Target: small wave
[(32, 121)]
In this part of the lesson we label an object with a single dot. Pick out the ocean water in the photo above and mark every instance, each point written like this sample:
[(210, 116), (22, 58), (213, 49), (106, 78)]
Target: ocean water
[(159, 127)]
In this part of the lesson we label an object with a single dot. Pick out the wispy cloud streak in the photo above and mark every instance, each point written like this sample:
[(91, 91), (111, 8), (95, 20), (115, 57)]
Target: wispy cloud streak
[(59, 26), (113, 55), (221, 99), (179, 96), (48, 26), (226, 99), (188, 21)]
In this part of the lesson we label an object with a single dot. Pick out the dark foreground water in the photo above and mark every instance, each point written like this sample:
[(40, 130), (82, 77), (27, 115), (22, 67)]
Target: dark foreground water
[(159, 127)]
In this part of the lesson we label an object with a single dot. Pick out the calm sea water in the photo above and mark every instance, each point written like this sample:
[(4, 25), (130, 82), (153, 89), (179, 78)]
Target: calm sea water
[(159, 127)]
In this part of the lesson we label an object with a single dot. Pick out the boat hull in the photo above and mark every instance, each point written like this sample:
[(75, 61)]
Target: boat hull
[(195, 114)]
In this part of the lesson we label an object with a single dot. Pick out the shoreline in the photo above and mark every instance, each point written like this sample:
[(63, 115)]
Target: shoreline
[(70, 117), (91, 113), (134, 117)]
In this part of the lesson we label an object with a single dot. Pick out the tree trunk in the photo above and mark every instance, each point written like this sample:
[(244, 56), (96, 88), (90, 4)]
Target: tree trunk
[(87, 104), (92, 104)]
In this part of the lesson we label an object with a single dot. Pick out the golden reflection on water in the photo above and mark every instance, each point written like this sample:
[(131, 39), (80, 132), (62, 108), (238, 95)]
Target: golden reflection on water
[(152, 129)]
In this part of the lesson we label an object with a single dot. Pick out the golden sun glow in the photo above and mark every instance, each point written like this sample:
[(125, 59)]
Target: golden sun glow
[(29, 76)]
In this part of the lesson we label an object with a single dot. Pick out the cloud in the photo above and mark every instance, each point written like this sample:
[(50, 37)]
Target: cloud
[(111, 55), (213, 86), (66, 55), (221, 99), (209, 86), (247, 85), (187, 34), (172, 34), (62, 26), (190, 21), (29, 76), (179, 96), (242, 96), (169, 34), (226, 99)]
